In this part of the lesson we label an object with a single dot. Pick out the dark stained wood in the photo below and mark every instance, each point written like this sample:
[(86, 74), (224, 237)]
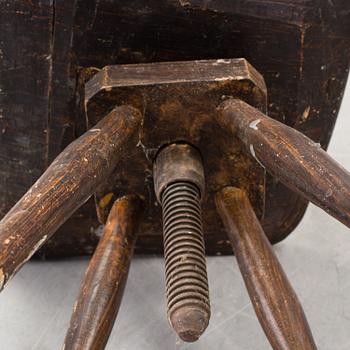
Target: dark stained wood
[(274, 300), (25, 63), (102, 289), (302, 49), (62, 124), (68, 183), (298, 162), (178, 101)]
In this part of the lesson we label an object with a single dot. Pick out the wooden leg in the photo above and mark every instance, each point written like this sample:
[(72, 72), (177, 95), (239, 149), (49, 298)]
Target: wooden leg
[(103, 286), (69, 181), (291, 157), (274, 300)]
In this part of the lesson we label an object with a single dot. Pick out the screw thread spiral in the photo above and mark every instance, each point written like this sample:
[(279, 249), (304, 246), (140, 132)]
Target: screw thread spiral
[(186, 277)]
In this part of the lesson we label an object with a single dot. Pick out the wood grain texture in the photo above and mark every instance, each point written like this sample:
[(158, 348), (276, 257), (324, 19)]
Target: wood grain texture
[(298, 162), (102, 289), (273, 298), (25, 64), (178, 101), (302, 51), (68, 183)]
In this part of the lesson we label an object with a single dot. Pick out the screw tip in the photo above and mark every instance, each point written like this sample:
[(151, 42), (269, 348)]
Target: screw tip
[(189, 322)]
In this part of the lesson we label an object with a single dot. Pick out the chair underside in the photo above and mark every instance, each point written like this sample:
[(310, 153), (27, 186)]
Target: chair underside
[(147, 130), (301, 50)]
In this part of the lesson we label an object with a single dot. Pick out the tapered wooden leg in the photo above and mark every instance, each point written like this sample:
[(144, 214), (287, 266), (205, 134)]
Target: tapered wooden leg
[(103, 286), (272, 296), (69, 181), (291, 157)]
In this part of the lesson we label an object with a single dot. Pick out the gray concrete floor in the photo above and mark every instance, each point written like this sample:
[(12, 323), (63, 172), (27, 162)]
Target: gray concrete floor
[(35, 307)]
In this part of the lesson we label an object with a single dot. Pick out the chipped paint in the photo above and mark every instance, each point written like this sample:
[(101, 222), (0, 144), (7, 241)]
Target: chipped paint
[(305, 114), (252, 151), (254, 124), (36, 247), (184, 3), (230, 77), (222, 60)]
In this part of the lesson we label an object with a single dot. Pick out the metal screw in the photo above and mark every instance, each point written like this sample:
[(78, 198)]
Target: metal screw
[(179, 183)]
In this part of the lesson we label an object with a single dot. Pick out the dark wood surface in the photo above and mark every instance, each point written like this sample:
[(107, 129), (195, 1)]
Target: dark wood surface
[(68, 183), (179, 101), (302, 49), (291, 157), (102, 289), (274, 300)]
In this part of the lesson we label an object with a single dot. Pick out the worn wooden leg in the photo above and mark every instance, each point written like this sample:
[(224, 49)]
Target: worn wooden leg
[(69, 181), (272, 296), (291, 157), (103, 286)]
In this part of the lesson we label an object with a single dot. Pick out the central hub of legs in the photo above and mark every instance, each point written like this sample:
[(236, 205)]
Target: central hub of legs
[(179, 185)]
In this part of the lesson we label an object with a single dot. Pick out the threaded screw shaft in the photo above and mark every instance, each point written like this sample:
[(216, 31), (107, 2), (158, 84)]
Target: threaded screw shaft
[(179, 183), (186, 276)]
